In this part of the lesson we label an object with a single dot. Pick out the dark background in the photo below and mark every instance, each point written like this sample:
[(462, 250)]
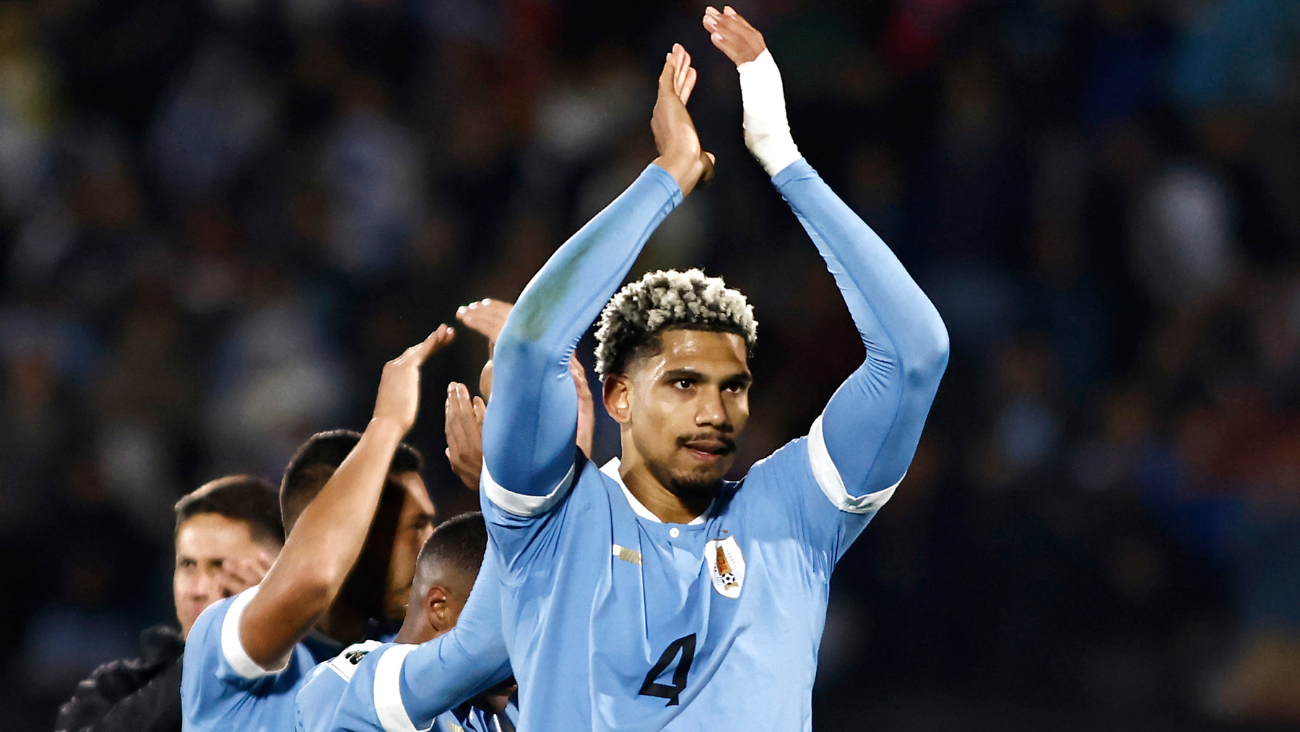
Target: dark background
[(218, 219)]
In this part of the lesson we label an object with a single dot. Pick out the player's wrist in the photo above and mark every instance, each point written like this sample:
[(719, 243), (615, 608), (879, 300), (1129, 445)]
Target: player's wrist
[(767, 130), (685, 168), (387, 428)]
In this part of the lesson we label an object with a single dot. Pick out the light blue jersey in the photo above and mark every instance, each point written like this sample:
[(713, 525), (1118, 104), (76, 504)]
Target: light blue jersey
[(223, 689), (401, 687), (617, 621), (370, 700), (320, 693)]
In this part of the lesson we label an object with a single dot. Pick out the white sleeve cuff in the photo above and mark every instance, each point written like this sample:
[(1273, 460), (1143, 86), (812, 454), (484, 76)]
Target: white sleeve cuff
[(832, 483), (232, 647), (388, 690), (521, 504), (767, 130)]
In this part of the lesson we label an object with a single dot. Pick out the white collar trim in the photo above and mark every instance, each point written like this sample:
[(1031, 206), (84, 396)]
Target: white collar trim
[(611, 469)]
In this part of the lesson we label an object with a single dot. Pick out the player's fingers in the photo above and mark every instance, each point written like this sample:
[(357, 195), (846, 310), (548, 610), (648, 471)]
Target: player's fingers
[(689, 87), (666, 76), (480, 409), (460, 411), (683, 68), (436, 340)]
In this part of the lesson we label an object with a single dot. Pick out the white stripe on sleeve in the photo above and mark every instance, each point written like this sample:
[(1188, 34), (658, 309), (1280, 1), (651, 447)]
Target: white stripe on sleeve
[(525, 505), (232, 647), (832, 484), (388, 690)]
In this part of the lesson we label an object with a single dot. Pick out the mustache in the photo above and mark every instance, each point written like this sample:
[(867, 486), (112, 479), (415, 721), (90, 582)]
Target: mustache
[(727, 442)]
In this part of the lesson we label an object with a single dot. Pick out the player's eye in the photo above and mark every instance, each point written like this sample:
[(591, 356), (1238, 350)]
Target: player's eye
[(684, 383), (186, 563)]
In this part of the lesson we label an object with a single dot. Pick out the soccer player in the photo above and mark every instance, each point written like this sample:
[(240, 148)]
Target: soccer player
[(422, 682), (228, 532), (445, 573), (653, 593), (245, 660)]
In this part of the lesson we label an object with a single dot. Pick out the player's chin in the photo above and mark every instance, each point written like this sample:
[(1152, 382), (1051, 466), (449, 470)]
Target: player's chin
[(707, 475)]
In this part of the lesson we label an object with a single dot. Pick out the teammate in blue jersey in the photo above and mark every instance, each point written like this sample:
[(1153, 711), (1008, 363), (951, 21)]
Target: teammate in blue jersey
[(445, 573), (245, 658), (420, 683), (652, 593)]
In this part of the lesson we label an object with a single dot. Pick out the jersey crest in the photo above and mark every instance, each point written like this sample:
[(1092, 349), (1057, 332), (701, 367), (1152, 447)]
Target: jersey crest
[(726, 566)]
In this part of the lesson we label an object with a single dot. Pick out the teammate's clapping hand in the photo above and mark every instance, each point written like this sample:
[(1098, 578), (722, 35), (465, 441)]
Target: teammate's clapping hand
[(678, 143), (237, 575), (733, 35), (486, 317), (586, 407), (399, 387), (464, 428)]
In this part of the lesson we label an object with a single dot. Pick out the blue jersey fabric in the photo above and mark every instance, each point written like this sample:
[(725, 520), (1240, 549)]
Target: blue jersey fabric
[(618, 621), (223, 689), (320, 693), (371, 699), (426, 681)]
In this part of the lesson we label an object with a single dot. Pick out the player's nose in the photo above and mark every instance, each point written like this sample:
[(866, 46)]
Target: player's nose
[(204, 586), (710, 410)]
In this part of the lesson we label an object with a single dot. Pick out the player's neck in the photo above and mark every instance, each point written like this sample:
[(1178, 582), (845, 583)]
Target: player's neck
[(415, 629), (667, 506)]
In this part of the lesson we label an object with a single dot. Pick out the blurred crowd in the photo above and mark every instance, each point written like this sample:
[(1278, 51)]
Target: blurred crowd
[(218, 218)]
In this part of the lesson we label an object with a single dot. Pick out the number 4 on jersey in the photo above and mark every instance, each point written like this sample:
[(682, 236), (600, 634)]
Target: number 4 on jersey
[(686, 647)]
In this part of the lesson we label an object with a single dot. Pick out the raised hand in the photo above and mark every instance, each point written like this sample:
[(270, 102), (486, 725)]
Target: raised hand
[(678, 143), (399, 387), (733, 35), (237, 575), (486, 317), (464, 428), (586, 407)]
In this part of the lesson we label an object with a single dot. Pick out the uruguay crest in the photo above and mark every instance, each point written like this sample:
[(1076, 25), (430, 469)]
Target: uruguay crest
[(726, 566)]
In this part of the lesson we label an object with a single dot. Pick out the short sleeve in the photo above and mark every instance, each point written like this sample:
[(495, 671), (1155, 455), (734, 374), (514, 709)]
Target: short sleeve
[(527, 542), (802, 478), (220, 682), (320, 693)]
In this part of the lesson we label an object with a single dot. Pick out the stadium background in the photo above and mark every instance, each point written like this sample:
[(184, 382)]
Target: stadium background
[(219, 218)]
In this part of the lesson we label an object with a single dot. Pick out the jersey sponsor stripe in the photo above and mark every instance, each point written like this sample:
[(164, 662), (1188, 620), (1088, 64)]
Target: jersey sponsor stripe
[(627, 555)]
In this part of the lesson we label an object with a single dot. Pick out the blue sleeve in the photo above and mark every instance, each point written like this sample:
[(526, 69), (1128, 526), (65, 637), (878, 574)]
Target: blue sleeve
[(863, 443), (463, 662), (319, 696), (399, 684), (528, 432), (221, 686)]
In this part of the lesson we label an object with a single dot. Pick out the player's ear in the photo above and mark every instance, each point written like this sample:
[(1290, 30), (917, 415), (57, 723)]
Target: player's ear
[(437, 609), (618, 398)]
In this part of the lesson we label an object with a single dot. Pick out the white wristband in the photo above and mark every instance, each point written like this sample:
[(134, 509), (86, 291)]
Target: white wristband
[(767, 132)]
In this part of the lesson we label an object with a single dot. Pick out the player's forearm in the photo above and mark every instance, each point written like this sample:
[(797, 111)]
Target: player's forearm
[(893, 315), (528, 431), (321, 549), (872, 425), (462, 675)]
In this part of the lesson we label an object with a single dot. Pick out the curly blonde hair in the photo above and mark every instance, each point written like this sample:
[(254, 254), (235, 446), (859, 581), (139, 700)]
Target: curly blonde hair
[(630, 325)]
